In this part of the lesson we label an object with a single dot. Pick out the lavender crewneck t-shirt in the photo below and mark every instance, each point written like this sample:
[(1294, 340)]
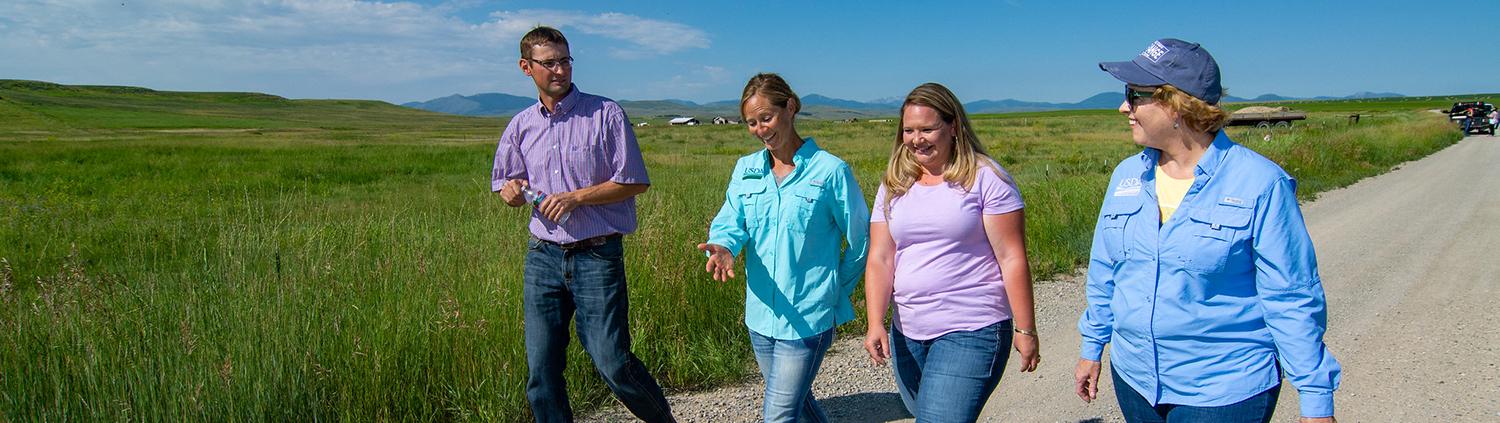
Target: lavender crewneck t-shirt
[(947, 278)]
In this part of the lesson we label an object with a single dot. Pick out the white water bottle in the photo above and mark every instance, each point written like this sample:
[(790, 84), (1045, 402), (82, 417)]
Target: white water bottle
[(535, 198)]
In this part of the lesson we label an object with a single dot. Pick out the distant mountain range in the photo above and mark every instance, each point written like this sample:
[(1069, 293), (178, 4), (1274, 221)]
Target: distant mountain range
[(813, 105)]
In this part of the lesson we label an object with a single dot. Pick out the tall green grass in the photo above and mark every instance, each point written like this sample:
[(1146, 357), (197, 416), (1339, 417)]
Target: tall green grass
[(264, 259)]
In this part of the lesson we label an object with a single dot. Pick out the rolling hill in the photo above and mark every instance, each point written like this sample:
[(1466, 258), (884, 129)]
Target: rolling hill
[(814, 106), (36, 105)]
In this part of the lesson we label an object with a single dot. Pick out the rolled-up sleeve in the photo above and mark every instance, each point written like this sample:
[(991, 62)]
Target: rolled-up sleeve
[(1096, 325), (509, 163), (1291, 295), (629, 166), (853, 219)]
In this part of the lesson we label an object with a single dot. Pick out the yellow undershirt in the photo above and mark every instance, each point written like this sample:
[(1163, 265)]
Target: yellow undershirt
[(1169, 193)]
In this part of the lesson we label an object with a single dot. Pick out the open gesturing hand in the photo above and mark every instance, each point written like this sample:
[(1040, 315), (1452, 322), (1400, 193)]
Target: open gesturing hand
[(720, 262)]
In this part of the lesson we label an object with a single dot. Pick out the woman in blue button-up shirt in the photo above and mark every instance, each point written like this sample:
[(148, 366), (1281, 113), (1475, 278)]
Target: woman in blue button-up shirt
[(792, 208), (1202, 275)]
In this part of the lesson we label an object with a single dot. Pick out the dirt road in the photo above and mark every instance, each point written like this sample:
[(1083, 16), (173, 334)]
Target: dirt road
[(1411, 266)]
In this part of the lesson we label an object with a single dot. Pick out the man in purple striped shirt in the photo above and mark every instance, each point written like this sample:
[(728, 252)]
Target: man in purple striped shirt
[(579, 152)]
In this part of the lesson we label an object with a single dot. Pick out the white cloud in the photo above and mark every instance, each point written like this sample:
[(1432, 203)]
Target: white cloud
[(646, 37), (323, 48)]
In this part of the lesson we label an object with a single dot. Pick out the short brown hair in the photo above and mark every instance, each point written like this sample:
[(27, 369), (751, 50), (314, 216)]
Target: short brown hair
[(541, 35), (1196, 114), (774, 89)]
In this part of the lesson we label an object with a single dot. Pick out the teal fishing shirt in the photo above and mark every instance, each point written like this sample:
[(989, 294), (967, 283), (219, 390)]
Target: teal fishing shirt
[(799, 273)]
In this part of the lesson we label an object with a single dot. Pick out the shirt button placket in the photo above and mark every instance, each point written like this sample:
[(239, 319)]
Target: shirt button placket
[(1155, 255), (557, 149), (775, 213)]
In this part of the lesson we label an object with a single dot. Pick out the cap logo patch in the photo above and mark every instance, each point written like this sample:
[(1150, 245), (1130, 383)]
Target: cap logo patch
[(1155, 52)]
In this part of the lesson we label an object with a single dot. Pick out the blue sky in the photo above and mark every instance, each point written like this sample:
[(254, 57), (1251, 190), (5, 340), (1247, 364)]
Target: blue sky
[(401, 51)]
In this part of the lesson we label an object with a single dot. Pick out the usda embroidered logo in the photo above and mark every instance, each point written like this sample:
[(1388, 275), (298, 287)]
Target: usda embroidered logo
[(1128, 187), (1155, 52)]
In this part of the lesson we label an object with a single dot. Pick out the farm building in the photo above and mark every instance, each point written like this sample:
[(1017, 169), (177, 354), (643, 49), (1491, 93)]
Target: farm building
[(720, 120), (688, 120)]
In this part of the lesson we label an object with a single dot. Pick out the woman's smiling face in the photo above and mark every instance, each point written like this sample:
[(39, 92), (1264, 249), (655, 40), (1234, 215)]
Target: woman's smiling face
[(769, 123), (926, 135)]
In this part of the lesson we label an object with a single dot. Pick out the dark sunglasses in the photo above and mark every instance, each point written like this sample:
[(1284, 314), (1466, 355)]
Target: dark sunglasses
[(1134, 96)]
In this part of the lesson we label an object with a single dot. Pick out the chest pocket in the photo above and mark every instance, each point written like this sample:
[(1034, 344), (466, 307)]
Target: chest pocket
[(1113, 219), (1215, 234), (810, 206), (590, 163), (753, 202)]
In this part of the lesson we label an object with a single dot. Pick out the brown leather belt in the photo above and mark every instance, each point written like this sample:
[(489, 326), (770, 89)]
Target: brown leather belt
[(583, 243)]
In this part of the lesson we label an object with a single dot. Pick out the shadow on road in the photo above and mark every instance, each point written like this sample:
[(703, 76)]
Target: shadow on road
[(868, 407)]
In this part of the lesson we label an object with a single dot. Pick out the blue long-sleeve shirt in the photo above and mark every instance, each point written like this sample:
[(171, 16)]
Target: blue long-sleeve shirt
[(1201, 309), (798, 273)]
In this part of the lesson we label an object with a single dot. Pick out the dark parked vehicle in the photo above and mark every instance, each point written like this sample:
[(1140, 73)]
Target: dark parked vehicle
[(1473, 116)]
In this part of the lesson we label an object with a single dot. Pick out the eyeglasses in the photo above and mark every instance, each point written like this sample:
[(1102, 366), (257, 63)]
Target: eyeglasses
[(1134, 96), (554, 64)]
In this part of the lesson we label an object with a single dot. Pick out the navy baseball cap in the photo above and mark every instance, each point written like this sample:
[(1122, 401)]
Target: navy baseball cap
[(1185, 65)]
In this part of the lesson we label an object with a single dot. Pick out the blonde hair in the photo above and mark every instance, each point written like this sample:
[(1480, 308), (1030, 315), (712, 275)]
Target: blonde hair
[(968, 152), (1196, 114), (774, 89)]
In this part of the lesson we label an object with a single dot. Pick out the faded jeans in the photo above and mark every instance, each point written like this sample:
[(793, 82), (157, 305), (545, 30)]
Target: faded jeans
[(789, 366)]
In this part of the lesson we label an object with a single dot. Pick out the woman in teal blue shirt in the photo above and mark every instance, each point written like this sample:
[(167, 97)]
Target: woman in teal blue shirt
[(1202, 275), (791, 207)]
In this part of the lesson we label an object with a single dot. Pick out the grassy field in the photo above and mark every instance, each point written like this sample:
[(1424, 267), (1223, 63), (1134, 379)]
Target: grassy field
[(187, 256)]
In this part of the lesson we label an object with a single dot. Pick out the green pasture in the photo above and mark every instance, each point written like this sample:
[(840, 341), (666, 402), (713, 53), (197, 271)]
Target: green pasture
[(221, 256)]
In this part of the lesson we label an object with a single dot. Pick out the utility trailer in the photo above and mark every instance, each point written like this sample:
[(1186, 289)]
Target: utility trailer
[(1280, 119)]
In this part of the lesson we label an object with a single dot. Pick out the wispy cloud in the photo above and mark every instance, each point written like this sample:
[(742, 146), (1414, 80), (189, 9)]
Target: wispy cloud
[(690, 81), (645, 37), (323, 48)]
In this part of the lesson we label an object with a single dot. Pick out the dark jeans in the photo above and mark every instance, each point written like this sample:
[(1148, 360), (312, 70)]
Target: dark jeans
[(948, 378), (1256, 409), (588, 286)]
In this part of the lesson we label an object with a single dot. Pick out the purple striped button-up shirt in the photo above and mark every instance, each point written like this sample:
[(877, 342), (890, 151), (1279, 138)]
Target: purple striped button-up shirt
[(586, 142)]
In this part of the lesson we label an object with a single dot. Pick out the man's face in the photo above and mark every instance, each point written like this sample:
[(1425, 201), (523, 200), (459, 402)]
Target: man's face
[(551, 67)]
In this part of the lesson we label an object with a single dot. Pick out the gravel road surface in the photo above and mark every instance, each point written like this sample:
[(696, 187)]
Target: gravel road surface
[(1411, 265)]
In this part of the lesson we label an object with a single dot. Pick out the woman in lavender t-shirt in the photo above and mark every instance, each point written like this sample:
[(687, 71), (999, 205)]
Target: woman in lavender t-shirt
[(947, 244)]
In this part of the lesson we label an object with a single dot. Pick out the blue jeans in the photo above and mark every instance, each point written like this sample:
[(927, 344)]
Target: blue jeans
[(586, 285), (948, 378), (789, 368), (1256, 409)]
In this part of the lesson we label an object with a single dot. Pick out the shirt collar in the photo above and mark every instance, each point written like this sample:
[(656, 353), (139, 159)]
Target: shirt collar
[(809, 147), (1207, 165), (805, 152), (563, 106)]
